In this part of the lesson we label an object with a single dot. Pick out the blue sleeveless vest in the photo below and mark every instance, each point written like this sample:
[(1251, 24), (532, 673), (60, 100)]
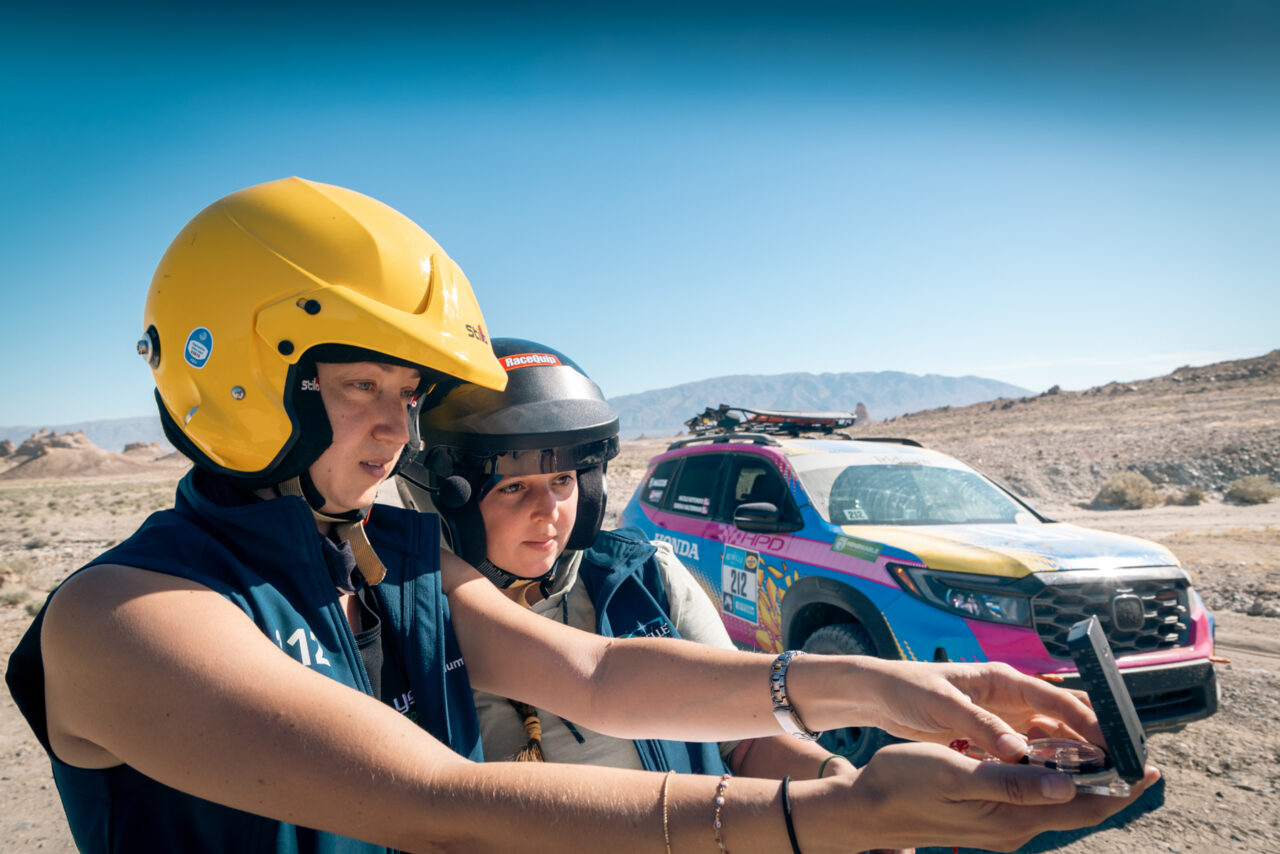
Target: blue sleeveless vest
[(265, 558), (625, 585)]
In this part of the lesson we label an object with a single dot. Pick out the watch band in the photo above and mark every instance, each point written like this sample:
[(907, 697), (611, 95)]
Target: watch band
[(785, 713)]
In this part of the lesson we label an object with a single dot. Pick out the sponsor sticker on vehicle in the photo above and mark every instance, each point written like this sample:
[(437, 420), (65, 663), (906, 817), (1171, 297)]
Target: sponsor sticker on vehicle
[(657, 488), (738, 583), (855, 547), (692, 504)]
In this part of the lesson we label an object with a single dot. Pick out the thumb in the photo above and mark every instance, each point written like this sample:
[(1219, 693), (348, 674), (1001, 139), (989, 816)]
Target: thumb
[(1021, 785)]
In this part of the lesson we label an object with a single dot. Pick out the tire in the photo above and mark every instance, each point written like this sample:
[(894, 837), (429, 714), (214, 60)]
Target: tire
[(857, 744)]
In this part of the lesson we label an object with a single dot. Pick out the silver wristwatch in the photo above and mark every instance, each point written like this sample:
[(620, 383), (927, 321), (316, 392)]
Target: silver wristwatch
[(786, 714)]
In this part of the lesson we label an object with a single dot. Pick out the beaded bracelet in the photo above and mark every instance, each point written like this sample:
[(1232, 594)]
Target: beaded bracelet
[(666, 819), (719, 802)]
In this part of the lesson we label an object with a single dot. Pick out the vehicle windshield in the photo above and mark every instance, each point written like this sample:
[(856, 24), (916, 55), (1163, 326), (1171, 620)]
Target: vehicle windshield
[(901, 494)]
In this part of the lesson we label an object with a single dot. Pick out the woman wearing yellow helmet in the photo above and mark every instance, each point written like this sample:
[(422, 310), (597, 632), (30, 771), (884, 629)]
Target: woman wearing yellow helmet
[(254, 669)]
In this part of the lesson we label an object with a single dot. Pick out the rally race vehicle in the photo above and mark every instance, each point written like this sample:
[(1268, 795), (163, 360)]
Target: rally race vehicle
[(884, 547)]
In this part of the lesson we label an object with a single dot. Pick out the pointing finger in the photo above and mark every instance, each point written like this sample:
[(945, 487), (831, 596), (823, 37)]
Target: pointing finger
[(990, 732)]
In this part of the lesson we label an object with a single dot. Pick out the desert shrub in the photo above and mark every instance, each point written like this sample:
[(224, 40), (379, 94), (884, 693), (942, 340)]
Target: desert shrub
[(1189, 497), (1127, 490), (19, 567), (33, 607), (35, 543), (1255, 489), (15, 597)]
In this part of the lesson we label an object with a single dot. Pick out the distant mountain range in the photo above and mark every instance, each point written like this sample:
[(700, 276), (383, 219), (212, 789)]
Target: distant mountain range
[(886, 394), (662, 412)]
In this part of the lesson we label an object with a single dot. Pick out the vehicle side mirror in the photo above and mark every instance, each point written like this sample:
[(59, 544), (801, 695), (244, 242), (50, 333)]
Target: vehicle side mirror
[(762, 517)]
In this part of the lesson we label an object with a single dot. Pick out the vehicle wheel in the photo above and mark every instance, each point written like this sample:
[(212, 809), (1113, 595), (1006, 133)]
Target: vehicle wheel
[(857, 744)]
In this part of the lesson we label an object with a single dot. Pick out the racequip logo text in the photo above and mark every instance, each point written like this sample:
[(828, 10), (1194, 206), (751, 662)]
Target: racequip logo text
[(524, 360)]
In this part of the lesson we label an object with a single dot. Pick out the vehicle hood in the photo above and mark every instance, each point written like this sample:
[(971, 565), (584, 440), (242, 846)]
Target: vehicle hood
[(1012, 551)]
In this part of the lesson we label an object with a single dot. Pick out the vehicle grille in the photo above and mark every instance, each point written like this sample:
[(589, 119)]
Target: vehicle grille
[(1165, 615)]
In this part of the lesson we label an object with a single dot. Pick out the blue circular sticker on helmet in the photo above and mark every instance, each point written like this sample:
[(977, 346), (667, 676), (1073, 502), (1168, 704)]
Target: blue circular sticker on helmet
[(198, 347)]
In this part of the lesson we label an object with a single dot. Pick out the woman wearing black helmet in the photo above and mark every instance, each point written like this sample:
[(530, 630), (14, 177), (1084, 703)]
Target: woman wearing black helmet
[(533, 459), (206, 685)]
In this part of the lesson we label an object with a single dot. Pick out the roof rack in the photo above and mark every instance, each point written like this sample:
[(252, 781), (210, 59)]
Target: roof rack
[(720, 420), (724, 439)]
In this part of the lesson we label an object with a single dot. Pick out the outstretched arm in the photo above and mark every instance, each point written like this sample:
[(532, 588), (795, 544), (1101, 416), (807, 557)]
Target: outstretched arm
[(644, 688), (167, 676)]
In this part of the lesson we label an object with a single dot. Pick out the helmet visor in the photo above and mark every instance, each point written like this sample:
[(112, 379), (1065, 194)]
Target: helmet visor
[(520, 463)]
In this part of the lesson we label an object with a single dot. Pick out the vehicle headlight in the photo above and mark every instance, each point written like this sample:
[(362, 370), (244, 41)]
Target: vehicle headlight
[(978, 597)]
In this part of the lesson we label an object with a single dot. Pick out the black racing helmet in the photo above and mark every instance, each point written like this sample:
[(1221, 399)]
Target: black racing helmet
[(550, 418)]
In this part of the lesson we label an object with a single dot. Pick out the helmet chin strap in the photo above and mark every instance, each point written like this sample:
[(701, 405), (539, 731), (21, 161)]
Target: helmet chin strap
[(504, 580), (349, 527), (499, 576)]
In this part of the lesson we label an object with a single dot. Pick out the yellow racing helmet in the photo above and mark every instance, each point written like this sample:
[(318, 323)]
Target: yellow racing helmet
[(265, 276)]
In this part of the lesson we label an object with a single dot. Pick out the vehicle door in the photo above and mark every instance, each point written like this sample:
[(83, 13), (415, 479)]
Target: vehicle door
[(686, 493), (751, 563)]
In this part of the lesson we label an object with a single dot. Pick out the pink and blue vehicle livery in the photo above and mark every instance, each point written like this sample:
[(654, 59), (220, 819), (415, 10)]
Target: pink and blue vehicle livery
[(884, 547)]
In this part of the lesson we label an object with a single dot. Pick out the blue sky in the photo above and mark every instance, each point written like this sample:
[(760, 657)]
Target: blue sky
[(1039, 192)]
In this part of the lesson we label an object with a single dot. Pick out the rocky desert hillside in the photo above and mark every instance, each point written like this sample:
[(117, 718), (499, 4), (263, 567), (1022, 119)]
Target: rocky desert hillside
[(1196, 427), (47, 454)]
